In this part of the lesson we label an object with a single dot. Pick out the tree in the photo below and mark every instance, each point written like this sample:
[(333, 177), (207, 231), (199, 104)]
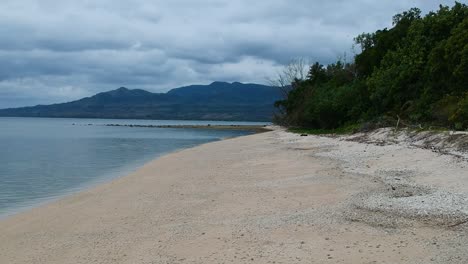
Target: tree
[(417, 71), (295, 70)]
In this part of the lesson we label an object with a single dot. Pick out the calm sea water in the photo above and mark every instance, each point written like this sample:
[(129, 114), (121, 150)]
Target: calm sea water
[(42, 159)]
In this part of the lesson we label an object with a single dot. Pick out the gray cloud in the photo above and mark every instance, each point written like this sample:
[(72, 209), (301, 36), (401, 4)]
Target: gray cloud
[(53, 51)]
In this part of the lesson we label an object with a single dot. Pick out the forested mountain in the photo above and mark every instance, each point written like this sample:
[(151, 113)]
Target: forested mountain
[(217, 101), (415, 73)]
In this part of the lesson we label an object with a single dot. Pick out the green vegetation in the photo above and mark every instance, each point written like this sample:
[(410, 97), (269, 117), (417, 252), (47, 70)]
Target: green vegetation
[(414, 74), (316, 131)]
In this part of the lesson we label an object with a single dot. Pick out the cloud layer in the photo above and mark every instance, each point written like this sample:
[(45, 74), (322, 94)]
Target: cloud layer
[(54, 51)]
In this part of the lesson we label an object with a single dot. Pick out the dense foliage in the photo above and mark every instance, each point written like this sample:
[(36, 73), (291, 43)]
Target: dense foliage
[(417, 71)]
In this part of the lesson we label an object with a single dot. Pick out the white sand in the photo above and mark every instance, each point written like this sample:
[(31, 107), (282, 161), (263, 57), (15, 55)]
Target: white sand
[(274, 197)]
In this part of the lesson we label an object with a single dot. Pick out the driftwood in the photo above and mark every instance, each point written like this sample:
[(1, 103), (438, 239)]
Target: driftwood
[(397, 124), (459, 223)]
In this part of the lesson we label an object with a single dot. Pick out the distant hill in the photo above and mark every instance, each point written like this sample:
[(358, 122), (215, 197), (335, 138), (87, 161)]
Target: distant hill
[(217, 101)]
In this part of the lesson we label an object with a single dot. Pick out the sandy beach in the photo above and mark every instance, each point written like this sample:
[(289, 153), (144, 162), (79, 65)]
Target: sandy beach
[(274, 197)]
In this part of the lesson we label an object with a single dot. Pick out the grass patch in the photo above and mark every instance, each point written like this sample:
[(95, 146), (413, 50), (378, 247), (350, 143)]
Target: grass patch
[(337, 131)]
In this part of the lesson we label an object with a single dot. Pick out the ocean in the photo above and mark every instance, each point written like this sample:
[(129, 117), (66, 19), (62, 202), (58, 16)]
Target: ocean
[(42, 159)]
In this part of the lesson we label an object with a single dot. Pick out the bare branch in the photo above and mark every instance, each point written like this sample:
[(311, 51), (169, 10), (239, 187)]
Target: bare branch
[(295, 70)]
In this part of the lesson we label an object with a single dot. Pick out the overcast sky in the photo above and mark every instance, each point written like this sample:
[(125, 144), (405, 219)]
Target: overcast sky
[(60, 50)]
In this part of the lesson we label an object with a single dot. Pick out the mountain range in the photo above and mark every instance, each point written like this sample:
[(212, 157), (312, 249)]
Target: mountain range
[(216, 101)]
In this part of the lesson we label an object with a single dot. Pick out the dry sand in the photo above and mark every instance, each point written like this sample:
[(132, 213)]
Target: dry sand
[(274, 197)]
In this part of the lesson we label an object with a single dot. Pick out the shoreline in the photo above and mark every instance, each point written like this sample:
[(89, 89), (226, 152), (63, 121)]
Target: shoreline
[(274, 196), (103, 179), (126, 170)]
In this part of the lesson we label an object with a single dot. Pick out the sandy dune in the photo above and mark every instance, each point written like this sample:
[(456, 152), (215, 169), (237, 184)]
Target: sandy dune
[(274, 197)]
